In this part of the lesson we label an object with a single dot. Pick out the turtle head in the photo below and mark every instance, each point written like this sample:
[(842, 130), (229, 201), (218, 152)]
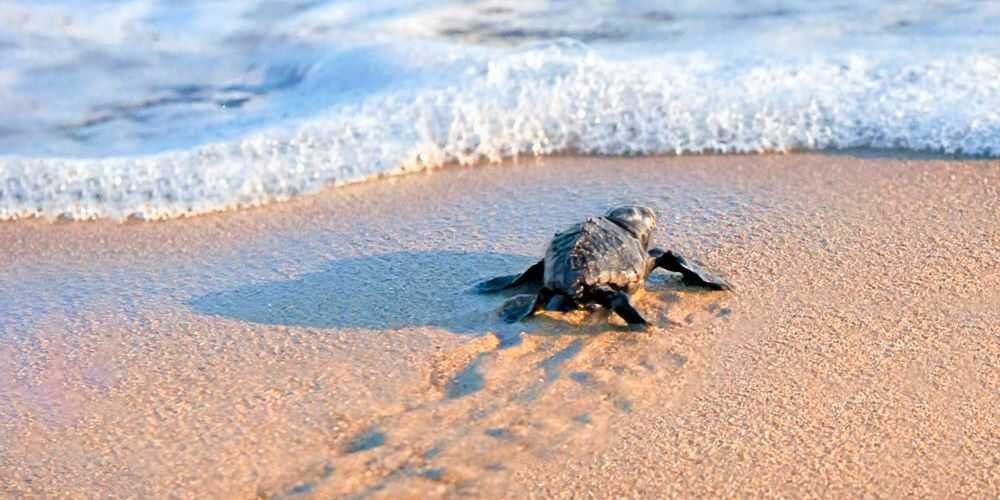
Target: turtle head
[(640, 221)]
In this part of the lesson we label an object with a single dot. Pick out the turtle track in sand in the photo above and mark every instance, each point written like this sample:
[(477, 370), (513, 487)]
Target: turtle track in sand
[(559, 388)]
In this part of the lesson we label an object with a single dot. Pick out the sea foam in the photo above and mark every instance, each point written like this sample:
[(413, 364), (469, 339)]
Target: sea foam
[(549, 98)]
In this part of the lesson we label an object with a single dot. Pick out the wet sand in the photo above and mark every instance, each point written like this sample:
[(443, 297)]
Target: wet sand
[(328, 347)]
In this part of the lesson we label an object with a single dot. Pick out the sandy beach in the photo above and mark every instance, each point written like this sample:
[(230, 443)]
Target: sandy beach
[(329, 347)]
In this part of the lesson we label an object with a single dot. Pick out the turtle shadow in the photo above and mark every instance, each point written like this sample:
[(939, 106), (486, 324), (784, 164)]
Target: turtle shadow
[(386, 291)]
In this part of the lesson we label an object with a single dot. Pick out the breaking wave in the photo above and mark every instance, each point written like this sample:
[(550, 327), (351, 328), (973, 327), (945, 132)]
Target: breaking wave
[(548, 98)]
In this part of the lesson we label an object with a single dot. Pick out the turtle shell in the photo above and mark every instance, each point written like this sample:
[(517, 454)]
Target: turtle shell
[(595, 252)]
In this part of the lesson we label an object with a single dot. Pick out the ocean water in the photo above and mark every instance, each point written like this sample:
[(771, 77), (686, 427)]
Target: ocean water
[(156, 109)]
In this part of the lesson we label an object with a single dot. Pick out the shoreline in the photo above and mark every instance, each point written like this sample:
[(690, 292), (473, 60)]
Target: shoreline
[(405, 170), (327, 345)]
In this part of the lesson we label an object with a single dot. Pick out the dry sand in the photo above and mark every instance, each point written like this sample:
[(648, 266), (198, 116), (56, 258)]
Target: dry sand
[(328, 347)]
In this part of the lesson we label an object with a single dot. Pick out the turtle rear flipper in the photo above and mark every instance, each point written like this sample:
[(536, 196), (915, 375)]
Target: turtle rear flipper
[(517, 308), (561, 303), (618, 301), (532, 276), (692, 274), (521, 306)]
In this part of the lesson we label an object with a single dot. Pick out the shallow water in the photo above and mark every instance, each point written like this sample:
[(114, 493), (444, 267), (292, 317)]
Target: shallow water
[(155, 109)]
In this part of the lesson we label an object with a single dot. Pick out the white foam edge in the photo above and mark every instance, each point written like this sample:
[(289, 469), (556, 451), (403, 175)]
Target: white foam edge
[(544, 100)]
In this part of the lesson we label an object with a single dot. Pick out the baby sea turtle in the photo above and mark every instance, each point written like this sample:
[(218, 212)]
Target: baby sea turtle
[(599, 261)]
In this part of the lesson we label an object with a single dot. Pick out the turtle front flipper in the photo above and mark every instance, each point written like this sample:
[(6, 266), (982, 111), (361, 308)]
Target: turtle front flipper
[(532, 276), (618, 301), (521, 306), (692, 274)]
